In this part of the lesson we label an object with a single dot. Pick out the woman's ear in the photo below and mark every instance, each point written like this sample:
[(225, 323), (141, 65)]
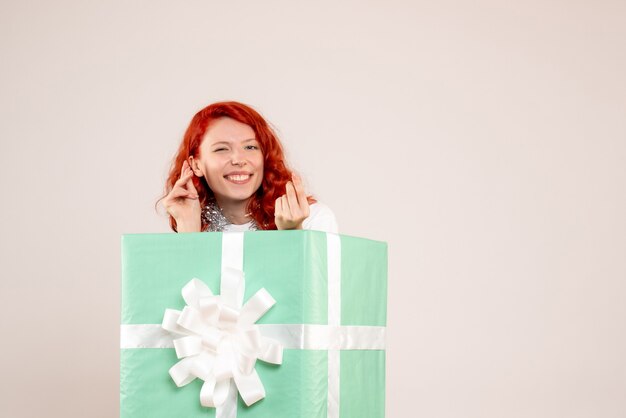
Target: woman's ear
[(195, 167)]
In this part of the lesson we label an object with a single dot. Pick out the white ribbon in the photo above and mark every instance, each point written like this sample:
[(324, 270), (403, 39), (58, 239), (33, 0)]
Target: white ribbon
[(290, 336), (217, 339), (333, 255)]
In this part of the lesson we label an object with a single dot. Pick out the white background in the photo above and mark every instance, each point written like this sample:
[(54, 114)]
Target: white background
[(485, 141)]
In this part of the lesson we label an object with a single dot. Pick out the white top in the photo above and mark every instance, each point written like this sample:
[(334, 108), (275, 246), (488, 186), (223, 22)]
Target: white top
[(321, 218)]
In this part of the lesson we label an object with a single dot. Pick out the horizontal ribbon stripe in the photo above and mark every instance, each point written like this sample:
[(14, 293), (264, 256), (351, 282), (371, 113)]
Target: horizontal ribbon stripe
[(291, 336)]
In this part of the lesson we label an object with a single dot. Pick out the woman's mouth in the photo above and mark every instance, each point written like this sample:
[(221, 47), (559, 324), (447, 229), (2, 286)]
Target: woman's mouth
[(238, 178)]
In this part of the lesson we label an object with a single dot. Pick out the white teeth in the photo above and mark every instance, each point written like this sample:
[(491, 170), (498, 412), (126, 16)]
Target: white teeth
[(240, 177)]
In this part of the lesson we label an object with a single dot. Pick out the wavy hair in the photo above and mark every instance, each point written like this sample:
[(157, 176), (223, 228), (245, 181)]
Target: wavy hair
[(276, 174)]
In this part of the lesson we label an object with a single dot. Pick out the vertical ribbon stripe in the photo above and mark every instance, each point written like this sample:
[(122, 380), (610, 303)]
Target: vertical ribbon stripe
[(229, 408), (333, 256), (232, 258), (232, 250)]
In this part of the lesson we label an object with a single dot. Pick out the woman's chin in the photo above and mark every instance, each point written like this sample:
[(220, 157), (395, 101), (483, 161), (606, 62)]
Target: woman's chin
[(234, 198)]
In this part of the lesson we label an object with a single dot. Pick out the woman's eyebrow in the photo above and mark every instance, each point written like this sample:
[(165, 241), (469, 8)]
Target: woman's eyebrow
[(230, 142)]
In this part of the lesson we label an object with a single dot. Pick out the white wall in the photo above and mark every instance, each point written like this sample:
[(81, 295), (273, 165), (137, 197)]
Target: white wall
[(485, 141)]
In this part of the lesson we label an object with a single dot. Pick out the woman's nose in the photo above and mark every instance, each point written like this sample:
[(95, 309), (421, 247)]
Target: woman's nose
[(237, 158)]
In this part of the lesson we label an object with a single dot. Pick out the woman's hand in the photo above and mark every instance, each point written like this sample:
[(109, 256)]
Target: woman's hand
[(291, 208), (182, 202)]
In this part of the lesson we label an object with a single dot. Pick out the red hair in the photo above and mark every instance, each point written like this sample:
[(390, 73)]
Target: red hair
[(275, 172)]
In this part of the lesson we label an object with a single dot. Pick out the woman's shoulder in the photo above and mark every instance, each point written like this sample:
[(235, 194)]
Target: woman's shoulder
[(321, 218)]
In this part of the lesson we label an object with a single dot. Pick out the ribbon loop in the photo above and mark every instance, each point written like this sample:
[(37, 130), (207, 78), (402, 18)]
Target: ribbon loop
[(271, 351), (246, 363), (180, 372), (218, 340), (213, 393), (227, 317), (207, 393), (188, 346), (224, 365), (256, 307), (210, 308), (191, 320), (194, 290), (202, 366), (170, 322), (251, 340), (211, 339), (250, 387)]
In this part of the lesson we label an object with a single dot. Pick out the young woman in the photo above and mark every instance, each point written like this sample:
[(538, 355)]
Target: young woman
[(230, 174)]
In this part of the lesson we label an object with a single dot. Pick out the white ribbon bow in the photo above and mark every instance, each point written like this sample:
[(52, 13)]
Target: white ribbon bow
[(219, 339)]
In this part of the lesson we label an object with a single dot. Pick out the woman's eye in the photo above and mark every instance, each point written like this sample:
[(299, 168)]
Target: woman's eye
[(251, 147), (219, 149)]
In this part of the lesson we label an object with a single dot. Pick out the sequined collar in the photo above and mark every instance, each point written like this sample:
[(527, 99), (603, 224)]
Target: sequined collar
[(213, 216)]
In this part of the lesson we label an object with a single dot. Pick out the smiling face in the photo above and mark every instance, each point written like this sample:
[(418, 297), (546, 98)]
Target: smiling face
[(231, 161)]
